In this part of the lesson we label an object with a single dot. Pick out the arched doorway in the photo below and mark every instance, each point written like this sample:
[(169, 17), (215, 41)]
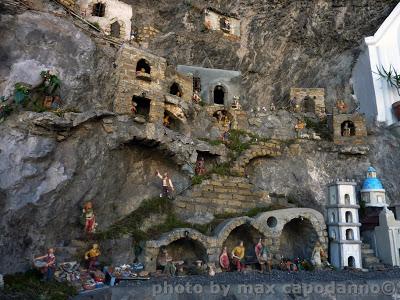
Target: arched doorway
[(219, 95), (187, 250), (349, 234), (309, 104), (143, 66), (246, 233), (142, 105), (348, 128), (298, 239), (115, 29), (175, 89), (351, 262), (349, 217)]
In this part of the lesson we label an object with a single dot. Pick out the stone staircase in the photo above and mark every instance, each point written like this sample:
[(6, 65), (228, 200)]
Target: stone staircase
[(221, 194), (261, 149), (369, 260)]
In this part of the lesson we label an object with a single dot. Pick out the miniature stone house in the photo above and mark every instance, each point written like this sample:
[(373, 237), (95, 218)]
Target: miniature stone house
[(216, 86), (113, 16), (141, 79), (348, 128), (312, 100), (217, 20), (343, 225)]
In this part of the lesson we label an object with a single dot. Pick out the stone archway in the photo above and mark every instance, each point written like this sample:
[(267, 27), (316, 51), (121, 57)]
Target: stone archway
[(298, 238), (187, 250)]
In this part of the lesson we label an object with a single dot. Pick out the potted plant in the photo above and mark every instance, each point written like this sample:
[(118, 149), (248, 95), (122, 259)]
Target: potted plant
[(392, 77)]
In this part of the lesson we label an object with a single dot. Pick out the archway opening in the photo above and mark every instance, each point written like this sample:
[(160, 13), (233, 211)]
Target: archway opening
[(219, 95), (143, 66), (249, 235), (349, 234), (309, 104), (349, 217), (187, 250), (142, 105), (348, 128), (175, 89), (298, 239), (99, 9), (115, 29), (347, 199), (351, 262), (224, 24)]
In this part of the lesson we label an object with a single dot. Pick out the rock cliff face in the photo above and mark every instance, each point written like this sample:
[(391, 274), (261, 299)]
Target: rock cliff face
[(50, 165)]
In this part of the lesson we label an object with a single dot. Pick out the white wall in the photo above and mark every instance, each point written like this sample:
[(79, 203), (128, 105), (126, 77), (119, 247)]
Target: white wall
[(347, 189), (115, 11), (351, 250), (213, 19), (384, 50)]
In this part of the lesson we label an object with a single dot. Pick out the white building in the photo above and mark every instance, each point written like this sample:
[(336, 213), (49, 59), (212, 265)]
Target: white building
[(372, 192), (387, 236), (113, 16), (215, 20), (343, 225), (380, 50)]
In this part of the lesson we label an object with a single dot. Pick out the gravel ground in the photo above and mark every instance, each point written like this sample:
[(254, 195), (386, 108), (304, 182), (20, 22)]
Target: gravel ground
[(276, 276)]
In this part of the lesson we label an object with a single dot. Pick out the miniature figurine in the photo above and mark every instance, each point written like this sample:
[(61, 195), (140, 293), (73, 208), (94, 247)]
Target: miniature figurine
[(226, 25), (166, 121), (90, 218), (316, 255), (211, 269), (295, 104), (167, 186), (341, 106), (92, 255), (224, 260), (57, 102), (196, 97), (236, 103), (226, 121), (48, 101), (299, 127), (165, 261), (261, 251), (200, 166), (237, 256), (134, 107), (220, 116), (48, 266), (346, 130), (272, 107)]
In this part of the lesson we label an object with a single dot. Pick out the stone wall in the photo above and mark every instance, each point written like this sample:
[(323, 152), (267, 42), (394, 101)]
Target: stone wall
[(360, 133), (221, 194), (146, 33), (272, 231), (185, 82), (315, 94)]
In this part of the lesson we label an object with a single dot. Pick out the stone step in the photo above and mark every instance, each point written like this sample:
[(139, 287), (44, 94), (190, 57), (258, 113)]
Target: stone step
[(365, 246)]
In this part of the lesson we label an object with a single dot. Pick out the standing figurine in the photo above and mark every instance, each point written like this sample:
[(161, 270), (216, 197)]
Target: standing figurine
[(236, 103), (262, 254), (90, 218), (224, 260), (346, 130), (200, 166), (299, 127), (167, 186), (49, 264), (92, 256), (237, 256), (316, 255), (134, 107), (196, 97), (272, 107), (341, 106)]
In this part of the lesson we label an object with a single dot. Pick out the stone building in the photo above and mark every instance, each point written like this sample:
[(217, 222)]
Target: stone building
[(343, 225), (347, 129), (158, 91), (229, 24), (291, 233), (312, 100), (372, 192), (380, 50), (113, 16)]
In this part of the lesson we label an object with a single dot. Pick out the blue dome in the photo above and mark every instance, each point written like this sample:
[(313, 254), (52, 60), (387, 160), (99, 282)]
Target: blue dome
[(372, 184), (371, 169)]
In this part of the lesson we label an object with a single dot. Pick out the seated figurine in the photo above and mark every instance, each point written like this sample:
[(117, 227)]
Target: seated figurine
[(48, 264), (165, 261), (200, 166), (92, 256), (224, 260), (238, 256)]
